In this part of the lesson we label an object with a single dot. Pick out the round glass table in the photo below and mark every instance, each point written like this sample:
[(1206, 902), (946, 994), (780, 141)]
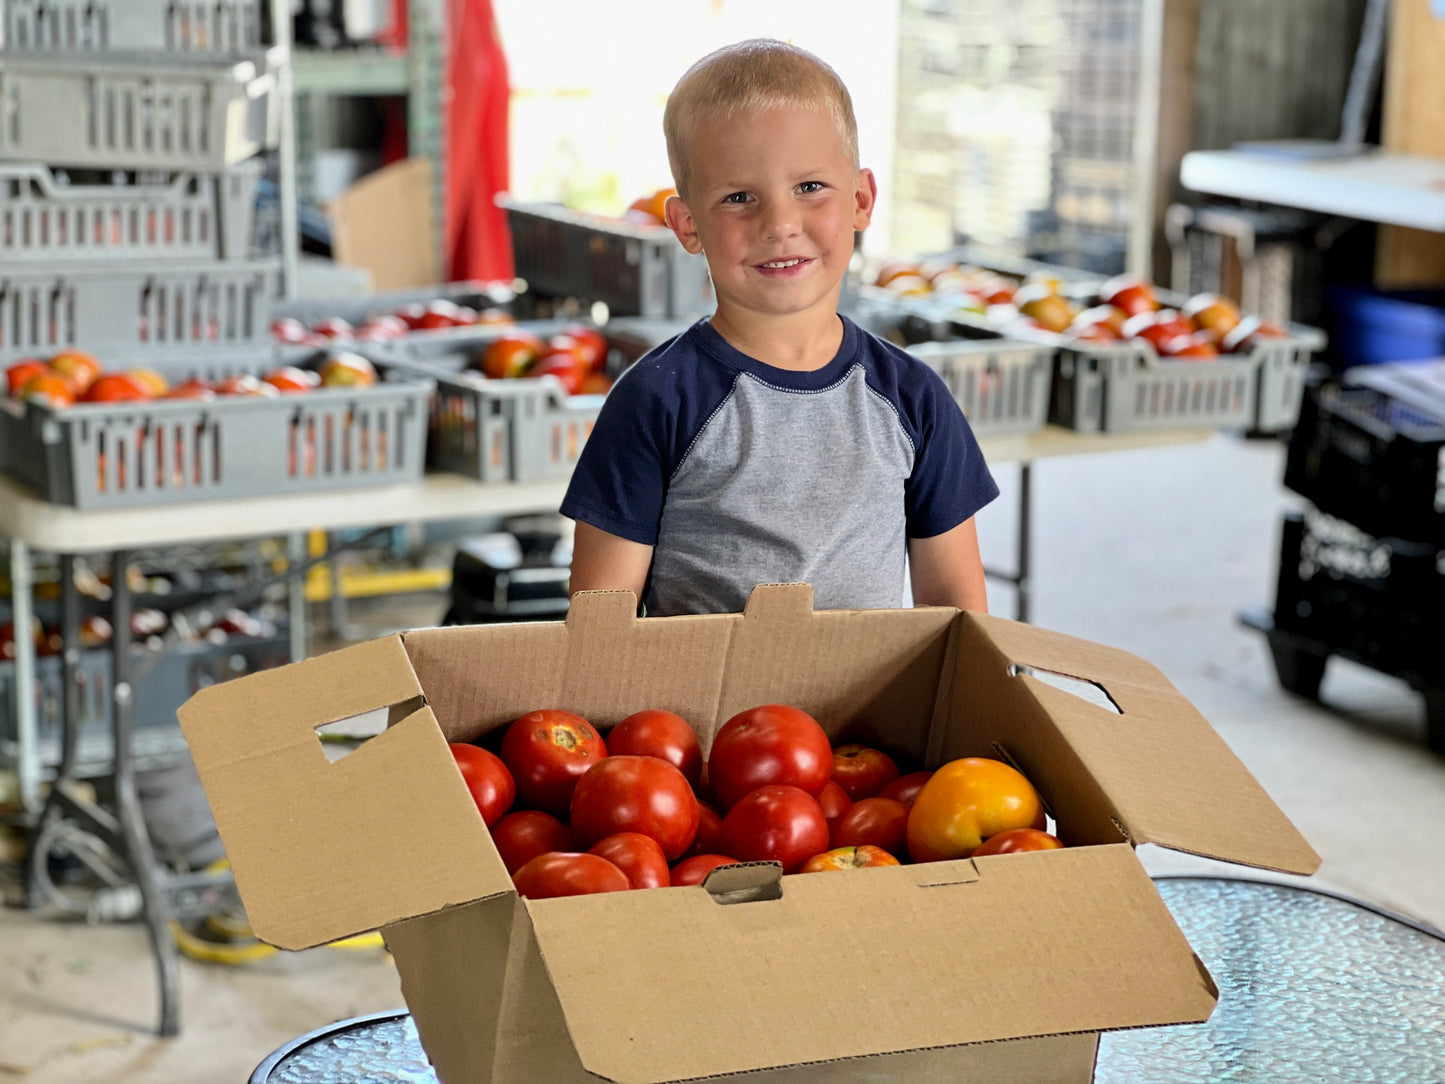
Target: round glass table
[(1312, 987)]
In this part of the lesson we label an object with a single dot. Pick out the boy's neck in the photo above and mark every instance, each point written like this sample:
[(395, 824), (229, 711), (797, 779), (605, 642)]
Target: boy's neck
[(802, 342)]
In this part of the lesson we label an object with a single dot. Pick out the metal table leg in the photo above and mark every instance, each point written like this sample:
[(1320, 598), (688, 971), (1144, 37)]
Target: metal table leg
[(124, 831), (22, 576), (1025, 539), (296, 593), (1020, 577), (135, 837)]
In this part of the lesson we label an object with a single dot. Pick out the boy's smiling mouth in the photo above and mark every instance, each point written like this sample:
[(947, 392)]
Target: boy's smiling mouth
[(789, 264)]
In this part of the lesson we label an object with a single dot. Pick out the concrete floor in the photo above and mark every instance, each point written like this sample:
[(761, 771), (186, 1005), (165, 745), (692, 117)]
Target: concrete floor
[(1152, 551)]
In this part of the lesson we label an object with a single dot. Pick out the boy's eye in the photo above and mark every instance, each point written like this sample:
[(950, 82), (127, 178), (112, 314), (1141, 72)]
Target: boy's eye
[(810, 186), (736, 197)]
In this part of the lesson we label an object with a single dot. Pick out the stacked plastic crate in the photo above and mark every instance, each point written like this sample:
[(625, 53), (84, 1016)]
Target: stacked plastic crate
[(132, 141), (129, 135), (1362, 571)]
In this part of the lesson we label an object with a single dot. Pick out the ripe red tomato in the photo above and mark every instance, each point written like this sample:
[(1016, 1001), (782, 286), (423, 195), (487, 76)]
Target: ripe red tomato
[(590, 344), (906, 787), (709, 831), (694, 870), (487, 778), (334, 327), (635, 794), (861, 857), (566, 873), (834, 802), (1018, 839), (18, 374), (967, 801), (862, 771), (562, 364), (523, 835), (880, 822), (547, 751), (767, 746), (777, 823), (660, 734), (636, 855)]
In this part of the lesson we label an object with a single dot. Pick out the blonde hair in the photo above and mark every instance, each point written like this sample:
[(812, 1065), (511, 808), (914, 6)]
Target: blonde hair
[(749, 77)]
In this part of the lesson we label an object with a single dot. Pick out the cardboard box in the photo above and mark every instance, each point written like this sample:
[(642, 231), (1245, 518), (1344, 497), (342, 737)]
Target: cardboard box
[(1001, 969)]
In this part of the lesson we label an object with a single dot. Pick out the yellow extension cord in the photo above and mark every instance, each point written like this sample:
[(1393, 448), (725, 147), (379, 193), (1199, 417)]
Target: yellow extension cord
[(237, 943)]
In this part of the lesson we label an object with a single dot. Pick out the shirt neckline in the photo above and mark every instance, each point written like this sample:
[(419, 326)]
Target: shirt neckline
[(721, 350)]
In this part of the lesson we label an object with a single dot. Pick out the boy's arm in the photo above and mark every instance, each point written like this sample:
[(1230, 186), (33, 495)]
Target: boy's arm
[(946, 570), (605, 562)]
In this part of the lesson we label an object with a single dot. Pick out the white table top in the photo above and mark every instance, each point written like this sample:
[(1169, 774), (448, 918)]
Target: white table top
[(53, 528), (1399, 189)]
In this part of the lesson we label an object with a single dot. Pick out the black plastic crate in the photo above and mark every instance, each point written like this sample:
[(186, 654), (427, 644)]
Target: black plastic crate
[(1370, 458), (1380, 603)]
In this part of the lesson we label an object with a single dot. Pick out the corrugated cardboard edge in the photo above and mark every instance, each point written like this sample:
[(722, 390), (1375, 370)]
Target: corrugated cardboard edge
[(1169, 776), (322, 849)]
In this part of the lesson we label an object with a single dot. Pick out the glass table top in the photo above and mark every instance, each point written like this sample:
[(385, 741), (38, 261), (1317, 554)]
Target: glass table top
[(1312, 987)]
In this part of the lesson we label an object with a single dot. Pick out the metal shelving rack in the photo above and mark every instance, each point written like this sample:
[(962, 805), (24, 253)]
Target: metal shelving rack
[(419, 75)]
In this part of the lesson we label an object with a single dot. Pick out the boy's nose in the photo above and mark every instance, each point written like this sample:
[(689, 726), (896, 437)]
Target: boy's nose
[(779, 221)]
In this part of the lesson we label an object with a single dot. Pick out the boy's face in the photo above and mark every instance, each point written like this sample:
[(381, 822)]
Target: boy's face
[(773, 201)]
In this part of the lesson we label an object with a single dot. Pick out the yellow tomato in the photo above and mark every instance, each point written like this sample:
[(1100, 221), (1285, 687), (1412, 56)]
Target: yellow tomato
[(964, 803)]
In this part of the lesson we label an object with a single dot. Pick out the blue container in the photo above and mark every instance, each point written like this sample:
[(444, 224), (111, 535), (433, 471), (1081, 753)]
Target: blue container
[(1373, 326)]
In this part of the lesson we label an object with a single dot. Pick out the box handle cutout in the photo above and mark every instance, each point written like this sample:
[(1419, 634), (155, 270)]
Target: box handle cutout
[(1090, 691), (341, 738), (745, 882)]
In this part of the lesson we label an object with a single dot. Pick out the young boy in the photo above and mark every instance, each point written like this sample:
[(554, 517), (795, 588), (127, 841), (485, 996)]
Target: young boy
[(775, 441)]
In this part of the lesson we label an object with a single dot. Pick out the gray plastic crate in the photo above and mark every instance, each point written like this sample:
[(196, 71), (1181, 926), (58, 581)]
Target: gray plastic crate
[(1127, 386), (1001, 385), (113, 455), (164, 683), (521, 430), (210, 27), (186, 216), (634, 270), (175, 306), (131, 111)]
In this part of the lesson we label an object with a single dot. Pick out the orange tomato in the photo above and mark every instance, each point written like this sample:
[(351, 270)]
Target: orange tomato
[(290, 379), (49, 387), (1016, 840), (510, 353), (861, 857), (151, 380), (116, 388), (77, 366), (964, 803)]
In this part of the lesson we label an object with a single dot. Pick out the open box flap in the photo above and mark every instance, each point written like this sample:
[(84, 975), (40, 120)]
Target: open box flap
[(324, 849), (860, 963), (1169, 776)]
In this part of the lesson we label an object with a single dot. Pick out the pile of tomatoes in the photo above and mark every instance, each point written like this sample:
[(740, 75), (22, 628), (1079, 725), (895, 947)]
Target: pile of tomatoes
[(573, 812)]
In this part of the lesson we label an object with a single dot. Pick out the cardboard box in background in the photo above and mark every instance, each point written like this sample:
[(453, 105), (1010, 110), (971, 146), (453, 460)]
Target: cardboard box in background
[(385, 223), (1003, 968)]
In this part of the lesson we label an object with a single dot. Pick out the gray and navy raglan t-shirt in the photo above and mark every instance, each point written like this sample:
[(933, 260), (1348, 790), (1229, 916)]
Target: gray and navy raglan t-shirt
[(740, 473)]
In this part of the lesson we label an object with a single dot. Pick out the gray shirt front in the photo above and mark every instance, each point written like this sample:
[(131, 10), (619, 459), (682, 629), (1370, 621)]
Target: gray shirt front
[(740, 473)]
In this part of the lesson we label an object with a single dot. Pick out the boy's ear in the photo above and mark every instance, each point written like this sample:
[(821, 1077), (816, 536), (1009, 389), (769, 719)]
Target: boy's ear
[(680, 221), (865, 196)]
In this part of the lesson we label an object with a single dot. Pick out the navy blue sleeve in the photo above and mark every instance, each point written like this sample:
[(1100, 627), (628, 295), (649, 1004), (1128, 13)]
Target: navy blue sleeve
[(950, 480), (620, 480)]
